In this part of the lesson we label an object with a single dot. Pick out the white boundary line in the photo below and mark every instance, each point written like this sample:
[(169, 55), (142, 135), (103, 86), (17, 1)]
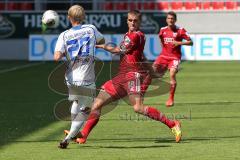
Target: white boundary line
[(20, 67)]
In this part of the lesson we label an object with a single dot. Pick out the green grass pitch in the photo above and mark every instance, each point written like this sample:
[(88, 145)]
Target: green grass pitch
[(207, 101)]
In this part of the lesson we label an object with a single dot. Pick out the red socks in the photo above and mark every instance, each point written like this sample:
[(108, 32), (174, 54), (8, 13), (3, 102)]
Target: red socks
[(153, 113), (90, 124)]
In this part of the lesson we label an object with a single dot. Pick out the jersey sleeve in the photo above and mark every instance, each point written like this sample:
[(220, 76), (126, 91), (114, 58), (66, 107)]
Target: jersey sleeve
[(160, 33), (185, 35), (98, 35), (60, 44)]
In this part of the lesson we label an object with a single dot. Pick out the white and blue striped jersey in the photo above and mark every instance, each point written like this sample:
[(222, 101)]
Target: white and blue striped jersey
[(78, 45)]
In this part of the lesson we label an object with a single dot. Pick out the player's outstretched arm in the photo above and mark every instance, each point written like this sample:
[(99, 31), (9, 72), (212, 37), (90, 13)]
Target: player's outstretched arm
[(179, 43), (112, 49), (188, 43), (101, 41)]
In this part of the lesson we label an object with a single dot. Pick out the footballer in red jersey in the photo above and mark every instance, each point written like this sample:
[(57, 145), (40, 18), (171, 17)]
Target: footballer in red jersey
[(132, 80), (132, 76), (171, 38)]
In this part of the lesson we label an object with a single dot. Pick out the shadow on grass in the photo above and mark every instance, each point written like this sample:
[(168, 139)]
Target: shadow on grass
[(215, 117), (26, 102), (26, 106), (126, 147), (222, 103), (130, 140)]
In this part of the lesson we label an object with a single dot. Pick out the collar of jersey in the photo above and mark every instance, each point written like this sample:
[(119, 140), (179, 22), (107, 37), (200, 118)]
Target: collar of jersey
[(77, 27)]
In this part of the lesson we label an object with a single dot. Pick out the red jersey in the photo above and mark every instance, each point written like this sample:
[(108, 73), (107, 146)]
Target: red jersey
[(167, 36), (132, 55), (132, 77)]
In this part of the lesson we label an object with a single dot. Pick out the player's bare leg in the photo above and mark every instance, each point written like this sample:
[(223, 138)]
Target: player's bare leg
[(173, 85), (102, 99), (136, 101), (158, 71)]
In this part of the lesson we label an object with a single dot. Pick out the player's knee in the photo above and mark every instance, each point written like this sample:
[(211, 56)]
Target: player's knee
[(138, 109), (155, 69), (96, 106), (173, 82), (74, 108), (73, 116), (173, 78), (173, 72)]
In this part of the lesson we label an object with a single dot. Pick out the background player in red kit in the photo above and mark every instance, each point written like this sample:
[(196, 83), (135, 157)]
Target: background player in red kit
[(171, 38), (132, 80)]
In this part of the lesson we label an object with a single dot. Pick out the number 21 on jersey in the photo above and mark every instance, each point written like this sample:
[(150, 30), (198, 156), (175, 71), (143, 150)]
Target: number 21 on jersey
[(78, 47)]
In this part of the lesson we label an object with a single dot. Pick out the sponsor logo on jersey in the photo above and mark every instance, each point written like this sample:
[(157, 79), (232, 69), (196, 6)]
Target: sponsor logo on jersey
[(127, 40), (168, 40)]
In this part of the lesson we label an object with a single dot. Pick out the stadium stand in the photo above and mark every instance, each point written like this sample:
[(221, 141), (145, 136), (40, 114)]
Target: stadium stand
[(162, 6), (123, 5), (231, 5), (191, 5), (218, 5), (108, 6), (205, 5), (176, 5), (134, 5), (2, 6), (148, 5), (26, 6), (12, 6)]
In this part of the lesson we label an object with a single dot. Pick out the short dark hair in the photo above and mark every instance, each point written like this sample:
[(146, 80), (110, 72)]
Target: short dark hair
[(136, 12), (172, 14)]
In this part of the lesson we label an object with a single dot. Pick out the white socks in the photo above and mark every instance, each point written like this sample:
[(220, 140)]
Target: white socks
[(78, 119)]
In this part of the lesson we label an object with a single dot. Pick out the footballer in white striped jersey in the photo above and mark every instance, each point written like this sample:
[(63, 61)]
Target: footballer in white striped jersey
[(77, 45)]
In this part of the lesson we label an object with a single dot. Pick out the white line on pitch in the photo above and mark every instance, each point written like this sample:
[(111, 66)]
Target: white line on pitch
[(19, 67)]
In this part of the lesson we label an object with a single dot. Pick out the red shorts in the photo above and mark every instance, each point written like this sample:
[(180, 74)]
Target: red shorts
[(125, 84), (163, 63)]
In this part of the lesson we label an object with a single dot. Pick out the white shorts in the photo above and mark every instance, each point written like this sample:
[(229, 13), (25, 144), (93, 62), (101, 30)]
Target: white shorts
[(84, 94)]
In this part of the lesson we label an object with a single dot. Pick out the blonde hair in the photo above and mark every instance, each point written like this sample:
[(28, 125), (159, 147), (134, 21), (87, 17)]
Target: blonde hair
[(77, 13)]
